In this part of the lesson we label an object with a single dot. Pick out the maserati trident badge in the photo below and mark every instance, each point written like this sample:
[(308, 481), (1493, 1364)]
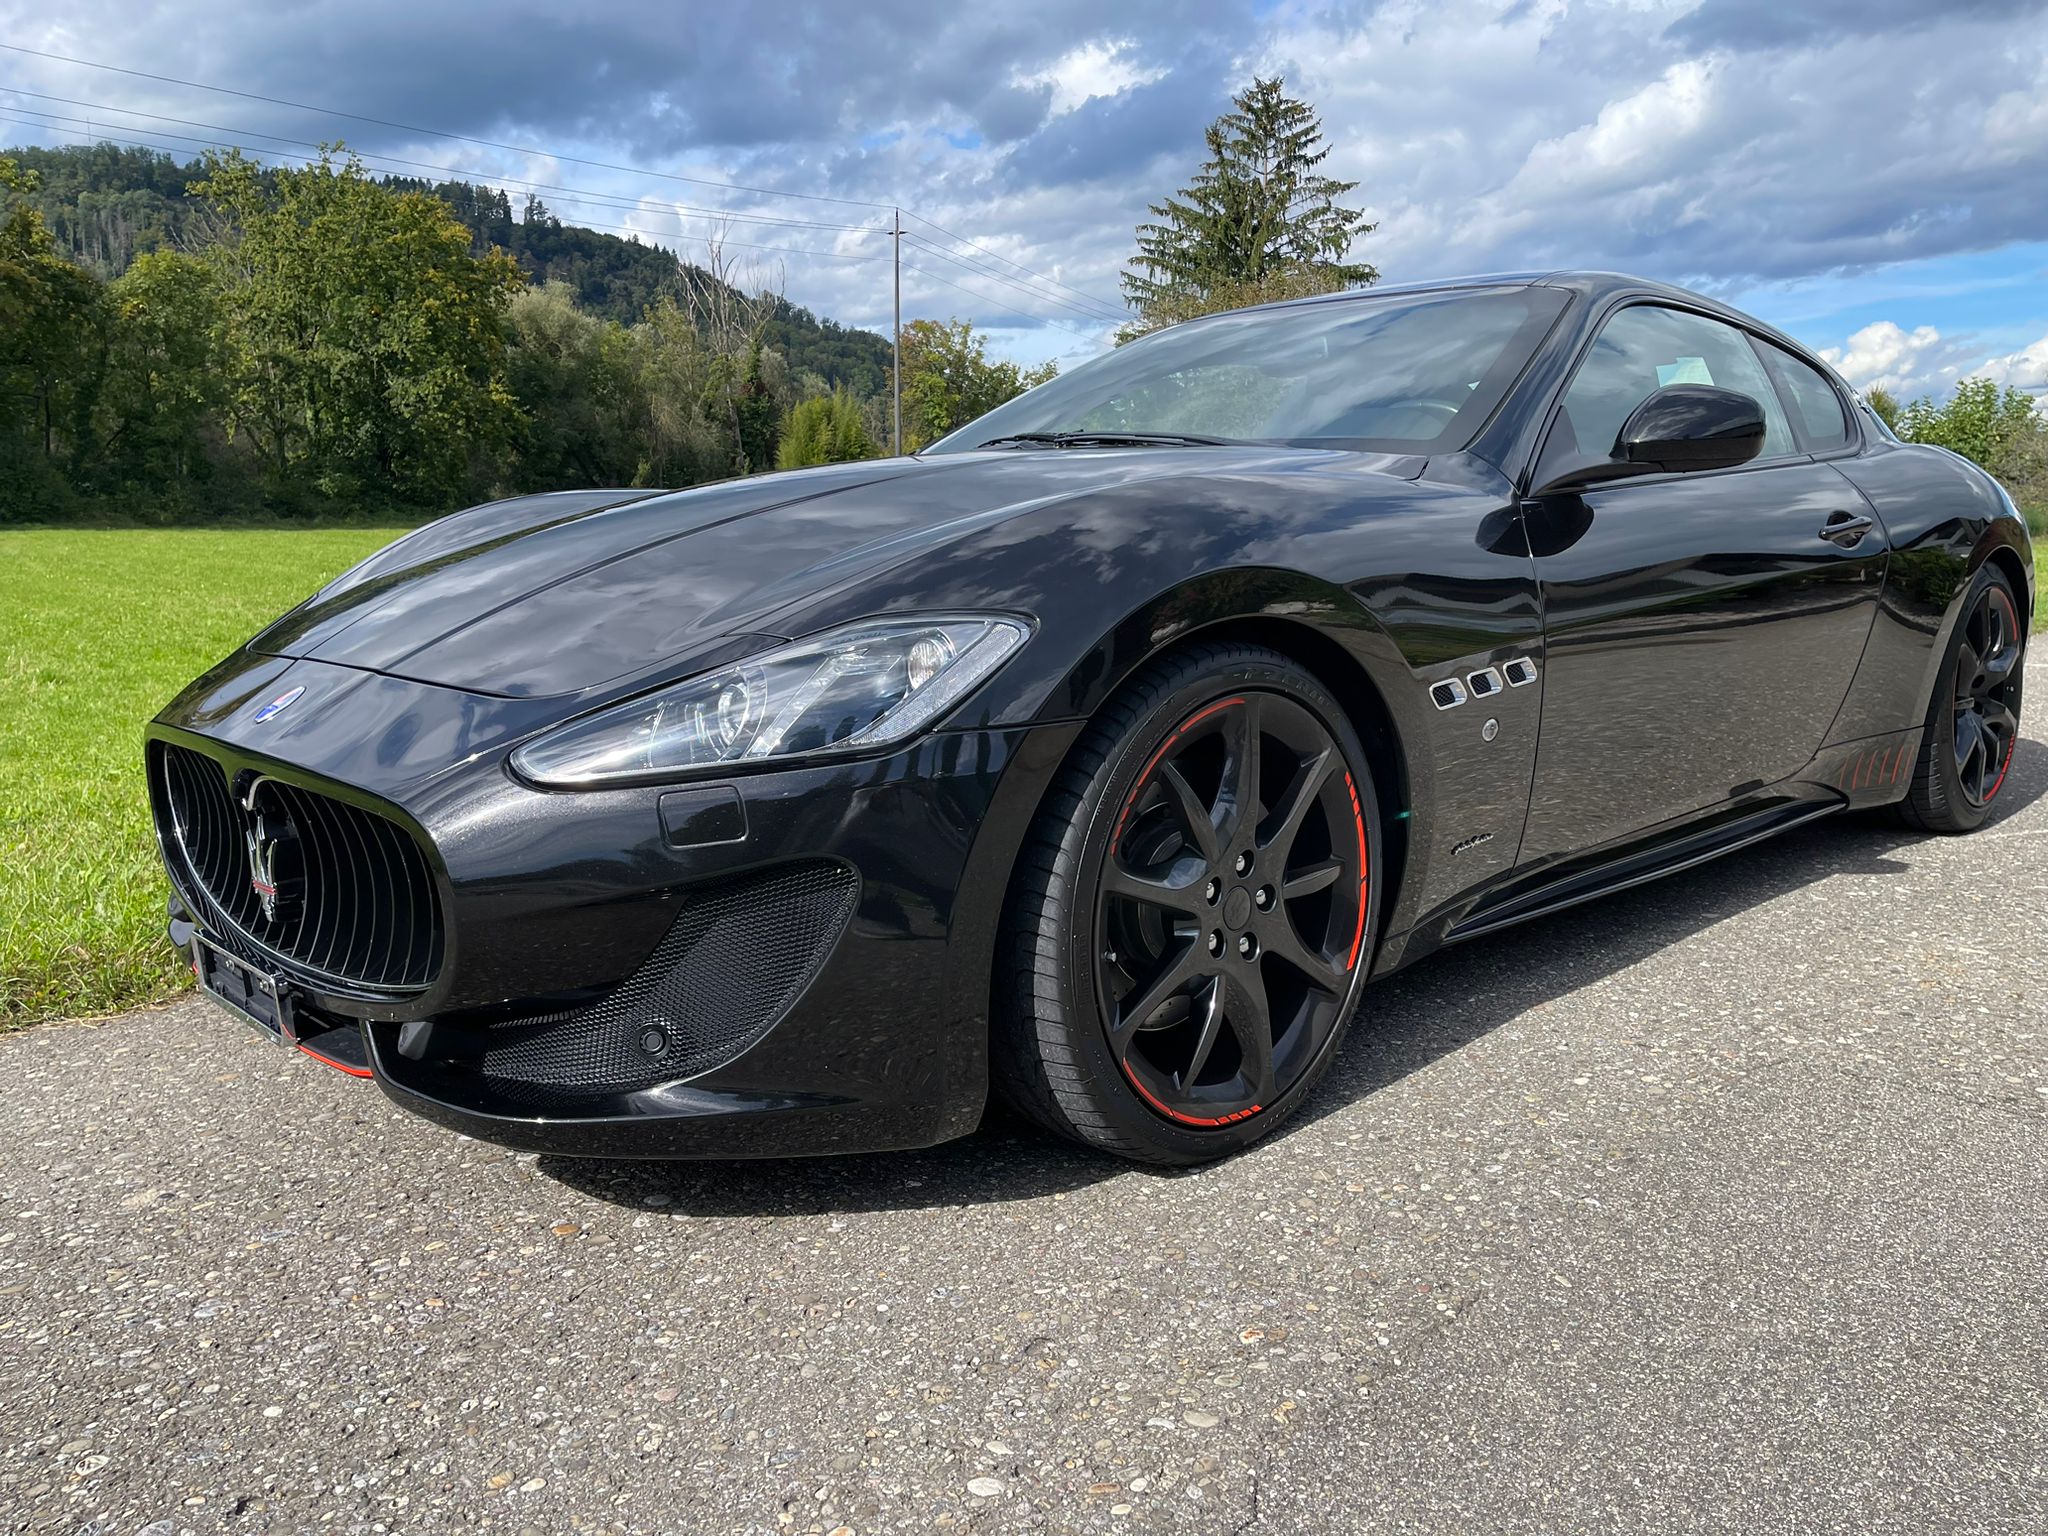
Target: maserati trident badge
[(273, 846), (281, 703)]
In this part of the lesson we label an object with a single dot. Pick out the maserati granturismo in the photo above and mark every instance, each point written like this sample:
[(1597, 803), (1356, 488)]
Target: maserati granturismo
[(1100, 755)]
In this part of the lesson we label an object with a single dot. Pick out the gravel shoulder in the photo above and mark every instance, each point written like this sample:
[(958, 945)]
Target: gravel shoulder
[(1718, 1205)]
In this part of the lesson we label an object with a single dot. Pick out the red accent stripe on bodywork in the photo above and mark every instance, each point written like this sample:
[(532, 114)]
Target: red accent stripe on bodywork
[(329, 1061)]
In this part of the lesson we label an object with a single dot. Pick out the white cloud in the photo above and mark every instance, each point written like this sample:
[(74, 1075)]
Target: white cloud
[(1907, 364), (1736, 145), (2025, 369), (1884, 355), (1095, 69)]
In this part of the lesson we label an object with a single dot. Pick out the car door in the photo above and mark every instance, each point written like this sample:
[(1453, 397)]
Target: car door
[(1701, 628)]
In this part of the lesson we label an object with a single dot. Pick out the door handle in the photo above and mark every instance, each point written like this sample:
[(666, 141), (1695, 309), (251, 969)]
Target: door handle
[(1847, 528)]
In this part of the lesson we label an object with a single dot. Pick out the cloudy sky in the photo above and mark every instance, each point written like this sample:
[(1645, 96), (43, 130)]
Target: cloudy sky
[(1868, 174)]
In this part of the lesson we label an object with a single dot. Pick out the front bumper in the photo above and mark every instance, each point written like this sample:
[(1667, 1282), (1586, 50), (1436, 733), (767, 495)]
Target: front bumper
[(557, 906)]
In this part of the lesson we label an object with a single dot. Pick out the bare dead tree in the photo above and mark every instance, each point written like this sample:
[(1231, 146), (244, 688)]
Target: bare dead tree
[(732, 302)]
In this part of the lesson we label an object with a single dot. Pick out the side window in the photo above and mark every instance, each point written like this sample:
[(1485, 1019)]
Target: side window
[(1640, 351), (1814, 401)]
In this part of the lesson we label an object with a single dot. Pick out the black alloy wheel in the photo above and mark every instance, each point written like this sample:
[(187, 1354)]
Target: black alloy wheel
[(1986, 718), (1231, 909), (1204, 894), (1973, 720)]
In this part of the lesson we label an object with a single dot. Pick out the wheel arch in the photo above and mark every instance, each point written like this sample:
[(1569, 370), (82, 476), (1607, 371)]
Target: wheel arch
[(1316, 624), (1352, 686), (2007, 562)]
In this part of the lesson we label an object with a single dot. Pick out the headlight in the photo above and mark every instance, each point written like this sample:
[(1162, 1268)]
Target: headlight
[(867, 685)]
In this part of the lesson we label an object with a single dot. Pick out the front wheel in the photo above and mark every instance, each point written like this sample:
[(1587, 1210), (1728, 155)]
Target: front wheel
[(1193, 914), (1973, 721)]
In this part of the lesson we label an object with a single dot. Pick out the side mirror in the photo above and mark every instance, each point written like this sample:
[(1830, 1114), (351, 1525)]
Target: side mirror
[(1692, 426)]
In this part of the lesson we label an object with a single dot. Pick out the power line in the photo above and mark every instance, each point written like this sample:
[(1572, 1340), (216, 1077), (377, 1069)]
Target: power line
[(1012, 261), (280, 154), (727, 186), (1093, 310), (600, 199), (439, 133), (994, 276), (786, 250), (984, 298)]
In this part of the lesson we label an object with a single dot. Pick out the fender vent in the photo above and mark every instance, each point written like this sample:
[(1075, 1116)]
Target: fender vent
[(1448, 694), (1520, 672), (1484, 683)]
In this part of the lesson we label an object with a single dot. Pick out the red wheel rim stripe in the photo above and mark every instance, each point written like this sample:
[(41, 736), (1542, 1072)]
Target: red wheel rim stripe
[(1357, 938), (1364, 872), (1146, 775)]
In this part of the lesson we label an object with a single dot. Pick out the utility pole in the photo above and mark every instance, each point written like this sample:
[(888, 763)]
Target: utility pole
[(896, 353)]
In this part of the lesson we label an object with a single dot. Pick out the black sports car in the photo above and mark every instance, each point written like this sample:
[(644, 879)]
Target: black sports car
[(1103, 752)]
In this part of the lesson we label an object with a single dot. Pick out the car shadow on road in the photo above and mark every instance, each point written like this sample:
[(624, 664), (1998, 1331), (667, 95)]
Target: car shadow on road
[(1411, 1020)]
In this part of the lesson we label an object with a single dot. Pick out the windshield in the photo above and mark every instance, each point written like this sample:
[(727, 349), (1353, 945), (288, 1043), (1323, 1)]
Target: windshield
[(1411, 373)]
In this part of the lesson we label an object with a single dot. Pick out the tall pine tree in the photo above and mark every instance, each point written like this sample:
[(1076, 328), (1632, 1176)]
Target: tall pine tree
[(1259, 222)]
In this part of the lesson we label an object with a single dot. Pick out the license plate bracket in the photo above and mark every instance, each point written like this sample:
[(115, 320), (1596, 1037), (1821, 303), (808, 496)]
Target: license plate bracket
[(258, 999)]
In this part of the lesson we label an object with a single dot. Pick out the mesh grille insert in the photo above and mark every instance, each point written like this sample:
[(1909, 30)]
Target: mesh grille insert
[(739, 953), (355, 901)]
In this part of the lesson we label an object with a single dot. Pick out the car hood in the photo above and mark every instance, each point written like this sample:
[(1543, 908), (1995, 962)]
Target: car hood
[(563, 594)]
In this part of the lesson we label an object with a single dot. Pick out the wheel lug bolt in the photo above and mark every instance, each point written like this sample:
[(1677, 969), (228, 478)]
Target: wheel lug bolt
[(1213, 891), (1215, 941), (1247, 946), (1262, 898), (1244, 862)]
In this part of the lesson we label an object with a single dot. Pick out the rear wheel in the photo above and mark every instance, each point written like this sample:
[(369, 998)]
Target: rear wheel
[(1192, 917), (1973, 720)]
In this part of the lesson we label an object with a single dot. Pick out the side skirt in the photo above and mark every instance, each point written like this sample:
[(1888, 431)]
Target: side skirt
[(1553, 892)]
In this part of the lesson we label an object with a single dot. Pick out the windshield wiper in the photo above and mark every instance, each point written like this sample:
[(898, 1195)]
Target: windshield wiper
[(1104, 440)]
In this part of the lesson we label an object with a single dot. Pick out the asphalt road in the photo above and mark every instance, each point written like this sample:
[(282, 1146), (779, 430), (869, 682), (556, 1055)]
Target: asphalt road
[(1718, 1206)]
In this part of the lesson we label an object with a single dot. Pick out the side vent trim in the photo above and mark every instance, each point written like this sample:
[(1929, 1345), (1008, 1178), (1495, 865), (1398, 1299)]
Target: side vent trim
[(1448, 694)]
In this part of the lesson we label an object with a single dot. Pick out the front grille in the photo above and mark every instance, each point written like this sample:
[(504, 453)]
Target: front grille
[(739, 953), (352, 897)]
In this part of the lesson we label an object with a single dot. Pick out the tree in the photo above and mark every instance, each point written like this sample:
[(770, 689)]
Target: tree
[(2001, 429), (577, 380), (163, 375), (1885, 406), (825, 429), (52, 342), (1980, 421), (742, 395), (948, 379), (1258, 222), (681, 444), (363, 342), (760, 420)]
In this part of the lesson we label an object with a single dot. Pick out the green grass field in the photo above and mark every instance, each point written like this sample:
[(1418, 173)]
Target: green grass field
[(98, 629)]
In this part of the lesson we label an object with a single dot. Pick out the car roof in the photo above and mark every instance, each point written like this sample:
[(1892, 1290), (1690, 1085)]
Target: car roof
[(1586, 283)]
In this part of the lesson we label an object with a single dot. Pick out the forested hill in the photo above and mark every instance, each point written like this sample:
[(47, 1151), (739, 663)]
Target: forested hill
[(106, 205)]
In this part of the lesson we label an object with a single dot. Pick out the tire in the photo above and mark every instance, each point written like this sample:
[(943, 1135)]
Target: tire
[(1156, 934), (1973, 716)]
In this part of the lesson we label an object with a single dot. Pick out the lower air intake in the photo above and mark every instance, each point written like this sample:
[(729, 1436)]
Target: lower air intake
[(739, 953)]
